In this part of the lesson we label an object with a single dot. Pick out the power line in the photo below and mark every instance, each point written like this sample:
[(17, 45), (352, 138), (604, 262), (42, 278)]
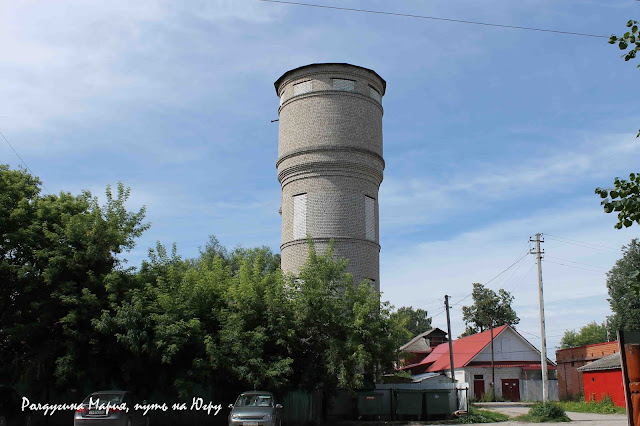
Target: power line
[(435, 18), (581, 244), (485, 284), (576, 267), (522, 279), (23, 162), (579, 263)]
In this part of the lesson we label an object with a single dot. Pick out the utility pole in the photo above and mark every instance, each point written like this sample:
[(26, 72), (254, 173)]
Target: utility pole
[(493, 368), (453, 378), (446, 305), (543, 352)]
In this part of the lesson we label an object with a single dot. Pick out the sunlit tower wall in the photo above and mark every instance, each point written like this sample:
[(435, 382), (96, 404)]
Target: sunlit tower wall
[(330, 165)]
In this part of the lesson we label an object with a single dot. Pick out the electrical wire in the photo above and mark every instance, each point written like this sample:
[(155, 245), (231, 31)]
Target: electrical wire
[(579, 263), (581, 244), (23, 162), (485, 284), (435, 18), (576, 267)]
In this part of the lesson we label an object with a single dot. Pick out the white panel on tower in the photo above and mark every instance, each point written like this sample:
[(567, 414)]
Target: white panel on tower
[(299, 216), (370, 218), (375, 94), (347, 85), (300, 88)]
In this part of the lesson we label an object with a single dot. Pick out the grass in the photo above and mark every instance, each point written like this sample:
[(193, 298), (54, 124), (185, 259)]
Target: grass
[(605, 406), (544, 412), (477, 415)]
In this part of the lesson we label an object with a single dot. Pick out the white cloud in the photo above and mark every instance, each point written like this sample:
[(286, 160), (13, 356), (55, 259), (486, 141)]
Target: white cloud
[(406, 202)]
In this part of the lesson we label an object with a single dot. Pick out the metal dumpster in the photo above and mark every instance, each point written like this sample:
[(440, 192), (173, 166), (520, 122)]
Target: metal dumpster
[(370, 404), (408, 403), (342, 407), (437, 402)]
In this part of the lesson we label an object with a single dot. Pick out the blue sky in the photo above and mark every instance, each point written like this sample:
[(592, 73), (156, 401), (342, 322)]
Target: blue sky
[(490, 134)]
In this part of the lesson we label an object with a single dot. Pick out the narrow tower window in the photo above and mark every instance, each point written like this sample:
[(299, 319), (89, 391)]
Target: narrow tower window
[(300, 88), (375, 94), (299, 216), (370, 218), (346, 85)]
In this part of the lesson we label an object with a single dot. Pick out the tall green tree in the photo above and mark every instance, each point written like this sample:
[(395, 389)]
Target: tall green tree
[(343, 333), (488, 310), (623, 284), (58, 255), (256, 334), (416, 320), (587, 335)]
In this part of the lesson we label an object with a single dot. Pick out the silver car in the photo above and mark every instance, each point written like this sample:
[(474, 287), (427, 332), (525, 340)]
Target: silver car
[(255, 408), (113, 408)]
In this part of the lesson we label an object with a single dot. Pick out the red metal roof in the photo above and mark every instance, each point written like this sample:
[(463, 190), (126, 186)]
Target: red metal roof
[(464, 349)]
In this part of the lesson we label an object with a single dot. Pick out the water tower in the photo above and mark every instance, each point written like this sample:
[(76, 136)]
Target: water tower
[(330, 164)]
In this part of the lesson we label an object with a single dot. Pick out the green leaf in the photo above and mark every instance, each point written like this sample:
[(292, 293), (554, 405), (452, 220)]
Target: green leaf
[(634, 29)]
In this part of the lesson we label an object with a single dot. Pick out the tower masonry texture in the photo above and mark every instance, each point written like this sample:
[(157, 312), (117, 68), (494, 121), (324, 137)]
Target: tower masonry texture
[(330, 165)]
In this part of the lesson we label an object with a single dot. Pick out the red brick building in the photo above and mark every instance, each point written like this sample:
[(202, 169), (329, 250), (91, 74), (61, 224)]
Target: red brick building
[(569, 360)]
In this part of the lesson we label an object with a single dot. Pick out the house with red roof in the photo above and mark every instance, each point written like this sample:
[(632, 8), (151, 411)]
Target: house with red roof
[(516, 365), (422, 345)]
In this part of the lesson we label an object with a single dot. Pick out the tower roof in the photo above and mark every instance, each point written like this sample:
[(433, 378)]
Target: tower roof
[(288, 73)]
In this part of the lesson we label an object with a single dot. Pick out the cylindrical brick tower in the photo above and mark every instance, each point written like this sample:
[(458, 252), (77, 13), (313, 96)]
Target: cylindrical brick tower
[(330, 164)]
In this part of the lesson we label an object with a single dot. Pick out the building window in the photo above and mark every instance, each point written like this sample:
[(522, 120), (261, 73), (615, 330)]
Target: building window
[(299, 216), (370, 218), (375, 94), (346, 85), (478, 377), (300, 88)]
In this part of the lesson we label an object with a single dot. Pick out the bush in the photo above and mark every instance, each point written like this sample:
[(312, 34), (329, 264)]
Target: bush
[(488, 396), (546, 412), (605, 406), (481, 416)]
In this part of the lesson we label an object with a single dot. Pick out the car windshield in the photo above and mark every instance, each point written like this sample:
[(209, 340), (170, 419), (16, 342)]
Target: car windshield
[(254, 400), (113, 398)]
